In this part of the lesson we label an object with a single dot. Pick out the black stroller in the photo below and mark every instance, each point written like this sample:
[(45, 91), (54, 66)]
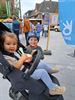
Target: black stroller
[(37, 89)]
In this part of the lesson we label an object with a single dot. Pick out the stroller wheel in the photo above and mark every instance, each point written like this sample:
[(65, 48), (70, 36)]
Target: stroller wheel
[(22, 98), (14, 95)]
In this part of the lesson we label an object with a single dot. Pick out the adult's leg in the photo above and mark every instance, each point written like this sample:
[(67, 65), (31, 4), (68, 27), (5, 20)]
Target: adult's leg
[(26, 36), (17, 33)]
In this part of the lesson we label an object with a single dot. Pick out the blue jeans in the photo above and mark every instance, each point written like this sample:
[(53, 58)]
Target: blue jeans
[(17, 33), (44, 76), (26, 36), (44, 65)]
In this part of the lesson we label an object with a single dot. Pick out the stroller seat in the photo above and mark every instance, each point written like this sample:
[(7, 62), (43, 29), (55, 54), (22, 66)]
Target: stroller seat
[(37, 89), (5, 70)]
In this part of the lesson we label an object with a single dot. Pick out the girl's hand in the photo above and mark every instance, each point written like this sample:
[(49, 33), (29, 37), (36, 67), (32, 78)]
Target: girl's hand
[(29, 57), (26, 57)]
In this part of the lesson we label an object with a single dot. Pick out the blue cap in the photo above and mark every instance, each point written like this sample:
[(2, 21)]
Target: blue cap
[(32, 34)]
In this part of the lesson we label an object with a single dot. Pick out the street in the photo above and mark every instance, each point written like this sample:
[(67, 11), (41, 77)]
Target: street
[(62, 57)]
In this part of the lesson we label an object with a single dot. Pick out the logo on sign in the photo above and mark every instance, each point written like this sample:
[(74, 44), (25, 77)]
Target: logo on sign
[(67, 30)]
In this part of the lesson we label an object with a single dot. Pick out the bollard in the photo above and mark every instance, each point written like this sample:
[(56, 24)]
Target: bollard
[(74, 54), (46, 51)]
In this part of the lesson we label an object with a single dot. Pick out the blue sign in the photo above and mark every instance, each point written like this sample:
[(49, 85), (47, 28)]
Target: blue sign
[(67, 20)]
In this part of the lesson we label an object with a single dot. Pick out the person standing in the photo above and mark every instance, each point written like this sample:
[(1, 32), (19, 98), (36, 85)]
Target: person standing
[(32, 27), (16, 27), (21, 25), (38, 29), (26, 28), (45, 30)]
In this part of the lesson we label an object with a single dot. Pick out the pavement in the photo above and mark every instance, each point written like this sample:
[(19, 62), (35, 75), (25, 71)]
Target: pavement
[(62, 57)]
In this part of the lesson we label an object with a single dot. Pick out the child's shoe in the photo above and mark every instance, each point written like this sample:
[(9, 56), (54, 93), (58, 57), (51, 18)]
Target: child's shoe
[(57, 90), (54, 70)]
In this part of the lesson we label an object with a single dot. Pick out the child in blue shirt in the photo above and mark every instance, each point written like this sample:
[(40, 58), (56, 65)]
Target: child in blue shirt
[(33, 45)]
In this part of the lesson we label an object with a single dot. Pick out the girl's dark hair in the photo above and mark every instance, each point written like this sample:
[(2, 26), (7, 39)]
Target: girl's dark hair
[(3, 36)]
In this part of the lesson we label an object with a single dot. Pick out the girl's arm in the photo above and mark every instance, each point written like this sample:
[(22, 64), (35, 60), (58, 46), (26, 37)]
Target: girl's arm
[(18, 64)]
